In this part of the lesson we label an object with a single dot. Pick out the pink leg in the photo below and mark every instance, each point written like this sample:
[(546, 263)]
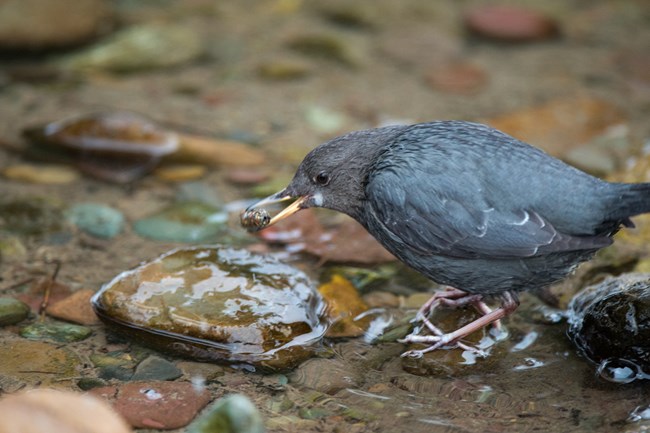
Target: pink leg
[(439, 339)]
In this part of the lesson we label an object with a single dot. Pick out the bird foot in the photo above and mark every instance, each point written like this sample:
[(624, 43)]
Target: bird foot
[(455, 298)]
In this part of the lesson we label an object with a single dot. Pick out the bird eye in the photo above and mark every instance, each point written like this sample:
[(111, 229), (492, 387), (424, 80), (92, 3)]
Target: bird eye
[(322, 178)]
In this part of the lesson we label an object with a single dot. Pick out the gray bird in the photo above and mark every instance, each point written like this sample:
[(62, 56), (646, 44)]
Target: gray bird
[(466, 205)]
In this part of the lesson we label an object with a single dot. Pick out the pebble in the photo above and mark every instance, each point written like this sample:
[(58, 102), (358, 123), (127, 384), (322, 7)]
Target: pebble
[(97, 219), (284, 69), (41, 174), (247, 176), (324, 120), (59, 332), (88, 383), (216, 152), (57, 411), (180, 173), (12, 311), (233, 413), (43, 24), (463, 78), (75, 308), (140, 47), (380, 299), (156, 368), (330, 46), (155, 405), (509, 23), (328, 376), (183, 222)]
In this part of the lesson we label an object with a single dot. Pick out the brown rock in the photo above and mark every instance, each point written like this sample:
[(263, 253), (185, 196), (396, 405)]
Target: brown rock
[(247, 176), (180, 172), (343, 306), (42, 24), (46, 174), (509, 23), (159, 405), (458, 77), (75, 308), (217, 152), (561, 124), (55, 411)]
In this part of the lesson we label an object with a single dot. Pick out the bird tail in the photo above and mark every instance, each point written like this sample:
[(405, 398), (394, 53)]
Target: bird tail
[(632, 199)]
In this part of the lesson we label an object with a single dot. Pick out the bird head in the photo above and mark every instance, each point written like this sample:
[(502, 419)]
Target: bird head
[(333, 175)]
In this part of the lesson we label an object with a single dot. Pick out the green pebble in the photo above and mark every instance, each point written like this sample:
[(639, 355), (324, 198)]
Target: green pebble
[(12, 311), (184, 222), (59, 332), (234, 413), (97, 219)]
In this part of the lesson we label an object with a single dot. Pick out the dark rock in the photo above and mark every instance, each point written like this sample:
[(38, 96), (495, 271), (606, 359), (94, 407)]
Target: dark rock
[(610, 322), (156, 368), (12, 311), (59, 332)]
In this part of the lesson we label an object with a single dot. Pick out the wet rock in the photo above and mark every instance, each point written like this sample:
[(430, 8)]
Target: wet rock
[(379, 299), (59, 332), (42, 24), (155, 405), (561, 124), (610, 322), (217, 152), (75, 308), (145, 46), (180, 173), (202, 371), (88, 383), (462, 78), (234, 413), (57, 411), (509, 23), (183, 222), (37, 363), (114, 146), (343, 306), (366, 279), (324, 375), (12, 311), (217, 304), (41, 174), (115, 372), (156, 368), (284, 69), (97, 219)]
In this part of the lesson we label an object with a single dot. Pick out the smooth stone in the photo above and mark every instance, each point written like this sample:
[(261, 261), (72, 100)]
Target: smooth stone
[(97, 219), (509, 23), (12, 311), (343, 306), (156, 368), (155, 405), (200, 371), (380, 299), (88, 383), (59, 332), (45, 174), (140, 47), (75, 308), (216, 152), (324, 120), (183, 222), (37, 363), (44, 24), (180, 173), (112, 359), (246, 176), (611, 320), (329, 46), (328, 376), (462, 78), (58, 411), (233, 413), (115, 372), (284, 69), (218, 304)]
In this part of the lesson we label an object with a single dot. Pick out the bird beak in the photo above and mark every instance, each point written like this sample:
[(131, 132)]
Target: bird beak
[(281, 196)]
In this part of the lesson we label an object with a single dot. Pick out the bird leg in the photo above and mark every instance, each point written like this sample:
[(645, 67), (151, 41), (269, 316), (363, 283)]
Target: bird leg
[(455, 298)]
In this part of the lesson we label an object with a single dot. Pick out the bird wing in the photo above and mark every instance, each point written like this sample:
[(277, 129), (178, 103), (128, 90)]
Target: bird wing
[(439, 214)]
